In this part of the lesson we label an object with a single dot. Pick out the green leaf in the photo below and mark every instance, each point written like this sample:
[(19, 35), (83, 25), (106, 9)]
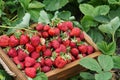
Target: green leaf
[(86, 9), (106, 62), (101, 19), (41, 76), (87, 22), (101, 10), (91, 64), (44, 18), (34, 14), (87, 76), (25, 3), (36, 4), (4, 75), (116, 60), (114, 2), (103, 76), (113, 13), (111, 27), (23, 24), (95, 35), (108, 49), (57, 4), (65, 15)]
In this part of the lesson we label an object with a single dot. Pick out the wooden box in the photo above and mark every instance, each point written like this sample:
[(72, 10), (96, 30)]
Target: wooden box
[(69, 70)]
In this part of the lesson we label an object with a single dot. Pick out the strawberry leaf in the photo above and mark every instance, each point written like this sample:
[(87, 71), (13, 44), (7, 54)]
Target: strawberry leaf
[(106, 62), (87, 76), (41, 76), (57, 4), (36, 4), (103, 76), (116, 60), (91, 64)]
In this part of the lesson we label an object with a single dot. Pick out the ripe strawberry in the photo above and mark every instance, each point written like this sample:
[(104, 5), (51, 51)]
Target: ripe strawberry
[(4, 40), (63, 48), (74, 52), (21, 65), (69, 24), (37, 66), (12, 52), (47, 53), (13, 41), (44, 48), (45, 69), (73, 58), (38, 48), (72, 44), (84, 55), (51, 31), (24, 39), (57, 31), (48, 62), (55, 44), (30, 72), (21, 55), (45, 34), (60, 62), (39, 27), (90, 49), (42, 62), (62, 26), (35, 55), (16, 60), (35, 41), (46, 28), (75, 32), (29, 61), (82, 36), (66, 42), (29, 48), (82, 49)]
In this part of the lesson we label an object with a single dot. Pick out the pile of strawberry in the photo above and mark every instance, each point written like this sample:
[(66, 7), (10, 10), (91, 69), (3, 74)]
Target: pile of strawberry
[(50, 47)]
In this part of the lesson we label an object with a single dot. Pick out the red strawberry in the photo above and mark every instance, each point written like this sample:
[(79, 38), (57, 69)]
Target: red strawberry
[(29, 48), (46, 28), (72, 44), (12, 52), (35, 41), (69, 24), (29, 61), (62, 26), (45, 34), (63, 48), (44, 48), (82, 36), (37, 66), (46, 69), (90, 49), (60, 62), (73, 58), (66, 43), (21, 55), (4, 40), (48, 62), (16, 60), (55, 44), (84, 55), (57, 31), (74, 52), (51, 31), (38, 48), (82, 49), (21, 65), (39, 27), (35, 55), (75, 32), (13, 41), (42, 62), (30, 72), (24, 39), (47, 53)]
